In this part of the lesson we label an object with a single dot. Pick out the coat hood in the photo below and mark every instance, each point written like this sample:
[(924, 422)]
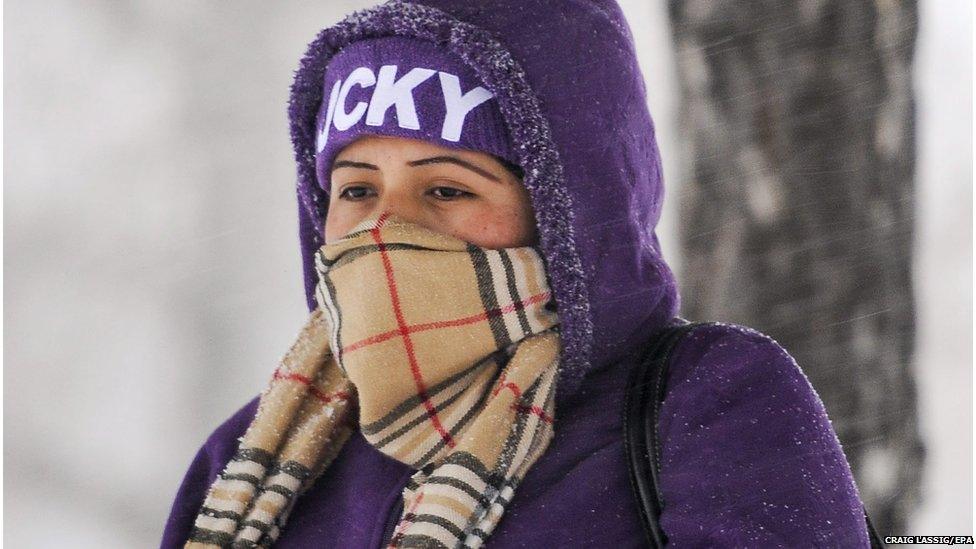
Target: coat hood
[(572, 96)]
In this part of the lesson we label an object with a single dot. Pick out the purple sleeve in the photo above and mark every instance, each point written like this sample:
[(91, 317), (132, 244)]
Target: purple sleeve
[(748, 455), (209, 461)]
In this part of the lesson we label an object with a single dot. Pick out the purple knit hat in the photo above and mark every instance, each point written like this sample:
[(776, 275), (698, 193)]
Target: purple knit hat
[(405, 87)]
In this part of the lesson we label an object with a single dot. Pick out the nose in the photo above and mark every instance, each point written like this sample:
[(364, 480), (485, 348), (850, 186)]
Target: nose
[(404, 207)]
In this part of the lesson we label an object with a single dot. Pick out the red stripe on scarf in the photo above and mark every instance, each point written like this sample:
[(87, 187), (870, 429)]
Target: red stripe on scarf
[(533, 410), (304, 380), (404, 331), (498, 311), (502, 384), (407, 520)]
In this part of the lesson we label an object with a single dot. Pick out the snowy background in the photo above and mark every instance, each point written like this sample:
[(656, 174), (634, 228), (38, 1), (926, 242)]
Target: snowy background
[(151, 261)]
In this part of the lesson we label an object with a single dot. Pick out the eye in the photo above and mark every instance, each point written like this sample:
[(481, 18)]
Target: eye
[(449, 193), (354, 193)]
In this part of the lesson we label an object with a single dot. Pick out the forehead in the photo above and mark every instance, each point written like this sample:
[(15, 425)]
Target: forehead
[(393, 153), (397, 147)]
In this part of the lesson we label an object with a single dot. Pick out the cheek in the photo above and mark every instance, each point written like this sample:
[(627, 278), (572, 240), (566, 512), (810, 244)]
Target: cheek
[(498, 227), (337, 224)]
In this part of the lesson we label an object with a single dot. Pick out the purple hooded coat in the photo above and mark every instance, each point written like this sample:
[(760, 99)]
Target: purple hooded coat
[(749, 457)]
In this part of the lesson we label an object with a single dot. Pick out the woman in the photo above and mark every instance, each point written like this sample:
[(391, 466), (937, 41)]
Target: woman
[(483, 130)]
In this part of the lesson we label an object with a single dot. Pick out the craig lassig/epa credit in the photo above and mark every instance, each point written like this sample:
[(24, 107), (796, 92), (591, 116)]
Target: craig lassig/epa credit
[(931, 540)]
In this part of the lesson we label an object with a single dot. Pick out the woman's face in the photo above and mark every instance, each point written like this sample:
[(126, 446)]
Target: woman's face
[(465, 194)]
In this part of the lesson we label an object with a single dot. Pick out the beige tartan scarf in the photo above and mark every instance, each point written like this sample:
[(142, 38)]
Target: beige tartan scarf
[(450, 352)]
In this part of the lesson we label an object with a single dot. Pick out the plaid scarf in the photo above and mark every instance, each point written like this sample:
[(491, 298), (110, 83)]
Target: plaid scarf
[(450, 352)]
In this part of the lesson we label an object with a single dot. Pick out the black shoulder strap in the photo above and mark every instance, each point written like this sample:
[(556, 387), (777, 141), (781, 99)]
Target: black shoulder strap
[(645, 393)]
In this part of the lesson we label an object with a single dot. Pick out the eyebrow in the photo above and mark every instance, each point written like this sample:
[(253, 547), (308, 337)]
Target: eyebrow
[(350, 164), (456, 161)]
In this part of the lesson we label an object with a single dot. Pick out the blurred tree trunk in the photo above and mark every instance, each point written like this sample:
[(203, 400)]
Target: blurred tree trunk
[(797, 214)]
